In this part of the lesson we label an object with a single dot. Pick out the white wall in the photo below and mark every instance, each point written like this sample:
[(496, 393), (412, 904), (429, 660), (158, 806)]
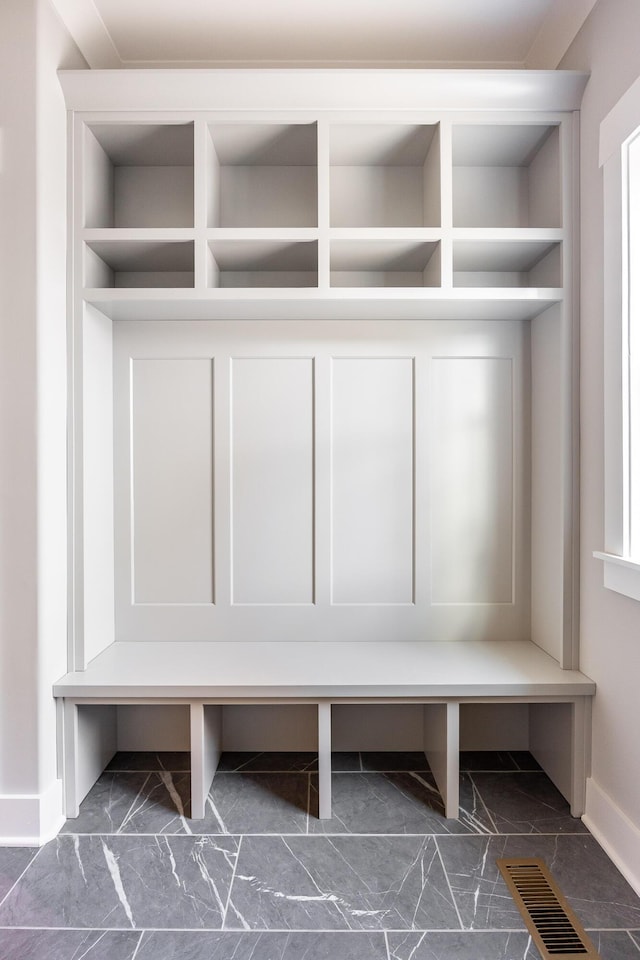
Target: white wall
[(607, 45), (33, 604)]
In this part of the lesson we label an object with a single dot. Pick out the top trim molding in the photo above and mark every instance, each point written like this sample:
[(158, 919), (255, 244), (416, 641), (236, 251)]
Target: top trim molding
[(323, 89)]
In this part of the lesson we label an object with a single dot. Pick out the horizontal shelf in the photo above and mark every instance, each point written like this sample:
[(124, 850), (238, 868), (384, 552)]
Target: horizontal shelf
[(349, 303)]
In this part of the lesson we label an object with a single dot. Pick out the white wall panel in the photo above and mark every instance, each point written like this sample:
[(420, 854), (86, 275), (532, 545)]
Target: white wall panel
[(272, 480), (372, 480), (472, 477), (172, 480)]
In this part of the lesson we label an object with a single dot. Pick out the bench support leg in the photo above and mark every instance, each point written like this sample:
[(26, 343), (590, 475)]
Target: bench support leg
[(206, 747), (441, 748), (70, 759), (559, 740), (324, 761)]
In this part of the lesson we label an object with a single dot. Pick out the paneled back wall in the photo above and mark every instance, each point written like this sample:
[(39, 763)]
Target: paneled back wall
[(322, 480)]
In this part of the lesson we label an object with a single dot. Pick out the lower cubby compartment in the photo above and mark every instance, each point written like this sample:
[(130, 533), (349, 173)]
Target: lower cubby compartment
[(262, 263), (138, 263), (553, 731), (507, 263), (385, 263)]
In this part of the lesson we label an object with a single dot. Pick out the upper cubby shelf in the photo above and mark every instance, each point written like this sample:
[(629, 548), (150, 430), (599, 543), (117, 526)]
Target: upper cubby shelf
[(506, 175), (138, 175), (323, 192), (385, 175), (262, 175)]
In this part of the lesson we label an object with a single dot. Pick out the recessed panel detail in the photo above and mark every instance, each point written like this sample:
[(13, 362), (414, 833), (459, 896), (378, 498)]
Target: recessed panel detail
[(372, 481), (172, 480), (272, 487), (472, 471)]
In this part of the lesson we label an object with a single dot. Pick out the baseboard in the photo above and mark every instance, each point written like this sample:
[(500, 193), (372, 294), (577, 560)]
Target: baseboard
[(29, 820), (614, 831)]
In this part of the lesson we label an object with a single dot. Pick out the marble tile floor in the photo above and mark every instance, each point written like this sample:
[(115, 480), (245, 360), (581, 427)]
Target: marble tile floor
[(261, 878)]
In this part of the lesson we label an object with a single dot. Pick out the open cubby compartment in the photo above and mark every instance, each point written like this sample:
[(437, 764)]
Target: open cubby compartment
[(262, 175), (506, 175), (385, 175), (138, 263), (507, 263), (263, 263), (138, 175), (385, 263)]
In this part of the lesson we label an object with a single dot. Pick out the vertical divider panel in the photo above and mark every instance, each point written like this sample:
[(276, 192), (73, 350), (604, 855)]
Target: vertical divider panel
[(222, 479), (206, 747), (442, 750), (324, 760), (322, 480), (446, 203), (70, 758), (200, 189), (323, 176)]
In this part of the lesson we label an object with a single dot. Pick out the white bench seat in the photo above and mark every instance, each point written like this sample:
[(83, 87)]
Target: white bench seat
[(206, 676)]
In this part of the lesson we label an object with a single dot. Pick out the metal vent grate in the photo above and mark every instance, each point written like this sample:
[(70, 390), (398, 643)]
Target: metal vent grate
[(556, 930)]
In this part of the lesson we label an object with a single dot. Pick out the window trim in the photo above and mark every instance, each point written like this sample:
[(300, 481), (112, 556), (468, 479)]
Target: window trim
[(617, 130)]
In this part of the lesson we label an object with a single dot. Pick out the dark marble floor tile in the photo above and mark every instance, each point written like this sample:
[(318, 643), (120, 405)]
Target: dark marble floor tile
[(107, 803), (68, 944), (256, 803), (524, 760), (595, 889), (262, 946), (635, 936), (396, 760), (489, 760), (273, 762), (13, 862), (343, 761), (615, 945), (119, 882), (393, 803), (340, 883), (164, 760), (163, 806), (462, 946), (526, 803)]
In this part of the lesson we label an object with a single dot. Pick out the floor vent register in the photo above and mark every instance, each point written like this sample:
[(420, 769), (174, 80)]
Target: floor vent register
[(555, 929)]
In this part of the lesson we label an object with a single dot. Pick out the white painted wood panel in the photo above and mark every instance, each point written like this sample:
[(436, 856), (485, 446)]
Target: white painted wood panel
[(95, 615), (329, 523), (472, 474), (372, 480), (272, 480), (171, 480)]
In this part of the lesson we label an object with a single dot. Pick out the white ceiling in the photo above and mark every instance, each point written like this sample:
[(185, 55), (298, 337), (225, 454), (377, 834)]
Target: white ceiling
[(367, 33)]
